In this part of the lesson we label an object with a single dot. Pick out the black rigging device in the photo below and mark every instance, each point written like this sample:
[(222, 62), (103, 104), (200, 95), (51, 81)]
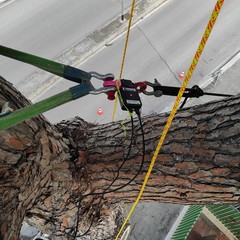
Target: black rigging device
[(129, 97)]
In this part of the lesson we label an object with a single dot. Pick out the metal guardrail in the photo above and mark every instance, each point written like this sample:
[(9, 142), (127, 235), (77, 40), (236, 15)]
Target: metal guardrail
[(187, 222), (229, 216)]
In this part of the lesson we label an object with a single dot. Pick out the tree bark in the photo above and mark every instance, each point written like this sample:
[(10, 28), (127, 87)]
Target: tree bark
[(46, 170), (31, 155)]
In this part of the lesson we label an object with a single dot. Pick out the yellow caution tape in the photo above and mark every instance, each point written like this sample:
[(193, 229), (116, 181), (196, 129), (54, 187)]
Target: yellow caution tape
[(195, 60)]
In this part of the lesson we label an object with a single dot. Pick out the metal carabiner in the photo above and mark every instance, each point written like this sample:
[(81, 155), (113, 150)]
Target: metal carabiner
[(107, 76), (156, 93), (102, 90)]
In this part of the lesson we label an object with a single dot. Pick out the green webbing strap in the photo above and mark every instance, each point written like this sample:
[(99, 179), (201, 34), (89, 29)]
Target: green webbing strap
[(31, 111), (56, 68)]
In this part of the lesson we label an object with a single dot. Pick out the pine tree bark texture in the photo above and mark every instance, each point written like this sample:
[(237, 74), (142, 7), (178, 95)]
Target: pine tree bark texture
[(46, 170)]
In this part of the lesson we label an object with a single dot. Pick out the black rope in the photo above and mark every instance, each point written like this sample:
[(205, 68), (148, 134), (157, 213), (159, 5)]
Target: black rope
[(102, 193), (107, 189), (218, 94), (195, 91), (183, 103), (194, 88)]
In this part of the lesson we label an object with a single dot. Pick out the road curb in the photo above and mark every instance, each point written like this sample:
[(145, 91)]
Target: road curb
[(36, 84), (213, 76)]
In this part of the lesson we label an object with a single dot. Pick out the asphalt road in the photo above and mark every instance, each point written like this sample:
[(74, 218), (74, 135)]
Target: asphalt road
[(47, 28), (161, 46)]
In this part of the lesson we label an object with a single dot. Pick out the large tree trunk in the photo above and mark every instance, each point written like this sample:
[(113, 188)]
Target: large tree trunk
[(46, 170)]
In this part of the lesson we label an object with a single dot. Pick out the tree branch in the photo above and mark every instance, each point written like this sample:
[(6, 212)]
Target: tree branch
[(45, 170)]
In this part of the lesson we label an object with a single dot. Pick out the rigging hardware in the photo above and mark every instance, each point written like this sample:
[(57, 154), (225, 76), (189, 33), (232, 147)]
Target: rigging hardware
[(130, 97), (70, 73), (194, 92)]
